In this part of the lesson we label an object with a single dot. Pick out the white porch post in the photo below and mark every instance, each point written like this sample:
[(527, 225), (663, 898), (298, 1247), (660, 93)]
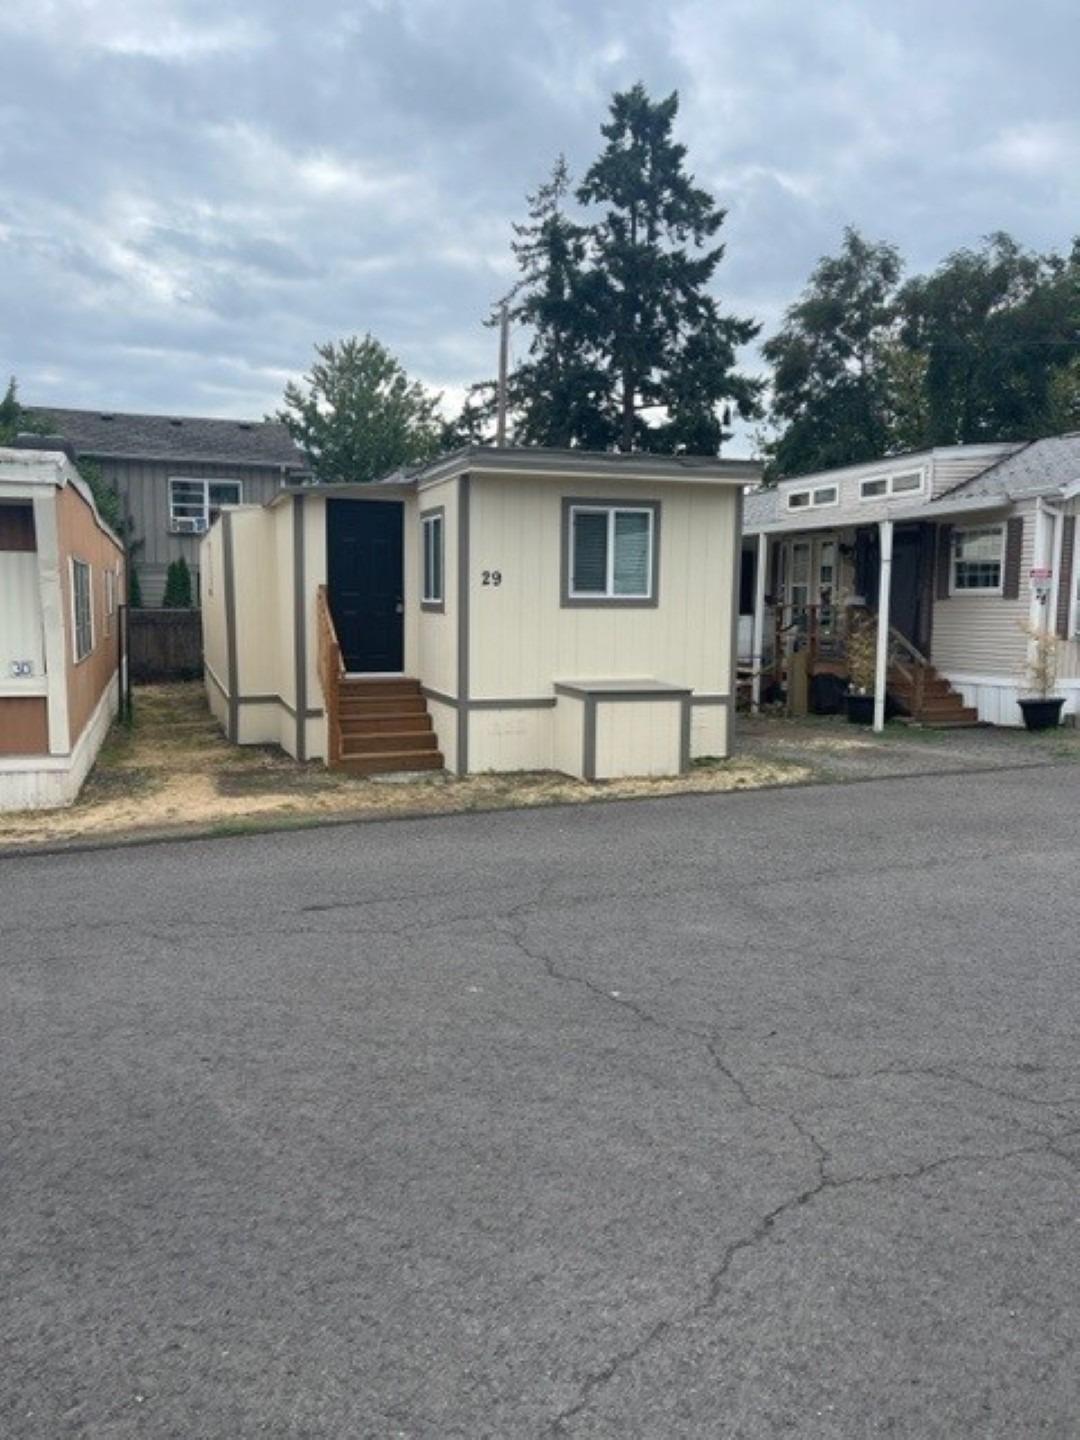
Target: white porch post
[(884, 592), (757, 644)]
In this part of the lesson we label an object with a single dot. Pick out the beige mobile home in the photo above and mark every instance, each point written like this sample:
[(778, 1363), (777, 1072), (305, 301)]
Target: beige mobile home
[(497, 610), (958, 554), (61, 582)]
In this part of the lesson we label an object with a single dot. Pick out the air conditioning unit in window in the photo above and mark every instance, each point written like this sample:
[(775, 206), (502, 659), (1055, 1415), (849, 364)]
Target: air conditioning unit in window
[(189, 525)]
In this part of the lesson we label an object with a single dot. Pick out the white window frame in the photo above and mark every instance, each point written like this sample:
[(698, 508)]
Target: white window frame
[(110, 598), (964, 591), (608, 594), (889, 482), (814, 491), (433, 531), (76, 563), (203, 520)]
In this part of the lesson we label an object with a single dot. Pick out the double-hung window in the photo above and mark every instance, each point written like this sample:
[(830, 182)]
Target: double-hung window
[(82, 611), (611, 550), (432, 529), (978, 560), (194, 505)]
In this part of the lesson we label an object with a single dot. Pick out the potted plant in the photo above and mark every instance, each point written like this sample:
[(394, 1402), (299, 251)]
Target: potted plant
[(1041, 708), (862, 667)]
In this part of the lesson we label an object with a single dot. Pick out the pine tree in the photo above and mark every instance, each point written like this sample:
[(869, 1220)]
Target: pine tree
[(178, 594), (661, 337)]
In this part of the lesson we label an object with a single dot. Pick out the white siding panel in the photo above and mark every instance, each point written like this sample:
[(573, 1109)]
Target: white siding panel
[(511, 739), (710, 731), (569, 735), (983, 634), (21, 635), (638, 738)]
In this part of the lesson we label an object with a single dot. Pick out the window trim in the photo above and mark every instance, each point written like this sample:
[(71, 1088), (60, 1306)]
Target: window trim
[(110, 578), (966, 591), (433, 604), (205, 481), (568, 599), (73, 561), (812, 491), (890, 479)]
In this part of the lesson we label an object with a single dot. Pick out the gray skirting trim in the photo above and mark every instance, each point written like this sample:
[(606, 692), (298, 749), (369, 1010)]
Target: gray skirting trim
[(230, 622), (430, 694), (511, 702)]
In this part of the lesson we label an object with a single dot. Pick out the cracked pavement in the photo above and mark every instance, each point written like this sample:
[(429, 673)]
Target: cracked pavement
[(741, 1116)]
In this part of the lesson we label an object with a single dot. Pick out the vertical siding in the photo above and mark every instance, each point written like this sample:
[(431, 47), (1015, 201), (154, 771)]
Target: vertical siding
[(983, 634), (569, 735), (437, 631), (80, 536), (511, 739), (143, 486), (21, 633), (637, 738), (523, 640)]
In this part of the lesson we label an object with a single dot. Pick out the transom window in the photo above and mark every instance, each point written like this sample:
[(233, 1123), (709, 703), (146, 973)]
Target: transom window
[(978, 560), (82, 610), (611, 552), (194, 505), (431, 531), (907, 482), (813, 498)]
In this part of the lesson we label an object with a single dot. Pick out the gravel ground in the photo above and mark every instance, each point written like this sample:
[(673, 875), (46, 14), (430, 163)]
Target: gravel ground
[(746, 1116)]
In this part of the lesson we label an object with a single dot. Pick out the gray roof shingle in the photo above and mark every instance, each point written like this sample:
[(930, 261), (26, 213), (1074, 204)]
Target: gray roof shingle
[(1039, 467), (173, 437)]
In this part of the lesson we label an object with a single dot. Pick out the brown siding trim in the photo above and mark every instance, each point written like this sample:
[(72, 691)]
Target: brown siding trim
[(24, 725), (944, 561), (1065, 576), (1014, 542)]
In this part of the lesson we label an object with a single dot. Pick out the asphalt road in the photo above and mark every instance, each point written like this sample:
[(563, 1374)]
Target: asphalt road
[(739, 1116)]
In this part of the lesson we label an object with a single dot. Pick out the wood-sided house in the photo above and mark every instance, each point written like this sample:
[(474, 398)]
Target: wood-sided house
[(956, 552), (496, 610), (61, 585), (174, 473)]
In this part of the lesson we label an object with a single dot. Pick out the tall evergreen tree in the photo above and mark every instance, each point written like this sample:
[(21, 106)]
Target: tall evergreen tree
[(997, 325), (833, 362), (660, 334), (560, 395)]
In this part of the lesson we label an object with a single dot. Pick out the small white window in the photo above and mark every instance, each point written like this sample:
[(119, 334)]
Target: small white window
[(431, 530), (82, 610), (878, 487), (978, 560), (611, 552), (813, 499), (110, 599), (194, 505)]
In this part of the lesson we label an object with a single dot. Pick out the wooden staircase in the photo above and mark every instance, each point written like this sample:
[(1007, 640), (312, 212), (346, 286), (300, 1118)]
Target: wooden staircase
[(923, 694), (383, 725), (375, 725)]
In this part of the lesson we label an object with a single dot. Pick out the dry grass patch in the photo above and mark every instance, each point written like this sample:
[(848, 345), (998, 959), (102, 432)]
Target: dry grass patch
[(173, 768)]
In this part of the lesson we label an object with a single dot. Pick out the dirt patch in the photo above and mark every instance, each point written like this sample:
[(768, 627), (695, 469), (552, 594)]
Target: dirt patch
[(173, 769)]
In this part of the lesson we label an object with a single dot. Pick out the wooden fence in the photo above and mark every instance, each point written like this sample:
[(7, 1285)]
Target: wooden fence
[(165, 645)]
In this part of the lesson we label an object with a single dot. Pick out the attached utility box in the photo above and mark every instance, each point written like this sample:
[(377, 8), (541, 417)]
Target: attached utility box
[(611, 728)]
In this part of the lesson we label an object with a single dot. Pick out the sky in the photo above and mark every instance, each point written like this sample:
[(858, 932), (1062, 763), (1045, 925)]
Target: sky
[(193, 194)]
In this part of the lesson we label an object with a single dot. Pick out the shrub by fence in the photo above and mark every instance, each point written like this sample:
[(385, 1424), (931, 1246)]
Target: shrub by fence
[(165, 644)]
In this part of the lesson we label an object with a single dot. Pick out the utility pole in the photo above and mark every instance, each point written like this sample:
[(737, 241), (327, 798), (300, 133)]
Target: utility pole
[(504, 361)]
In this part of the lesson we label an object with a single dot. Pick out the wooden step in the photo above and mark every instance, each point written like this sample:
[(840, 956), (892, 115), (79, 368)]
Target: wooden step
[(390, 705), (384, 724), (401, 740), (378, 689), (386, 762)]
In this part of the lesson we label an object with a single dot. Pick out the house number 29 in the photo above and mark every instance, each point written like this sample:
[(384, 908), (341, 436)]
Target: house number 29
[(490, 577)]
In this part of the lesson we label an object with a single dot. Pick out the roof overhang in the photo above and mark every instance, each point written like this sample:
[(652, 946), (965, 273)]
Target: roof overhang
[(522, 461)]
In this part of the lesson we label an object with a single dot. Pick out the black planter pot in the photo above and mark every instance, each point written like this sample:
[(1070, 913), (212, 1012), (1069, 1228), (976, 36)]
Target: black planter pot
[(860, 709), (1040, 714)]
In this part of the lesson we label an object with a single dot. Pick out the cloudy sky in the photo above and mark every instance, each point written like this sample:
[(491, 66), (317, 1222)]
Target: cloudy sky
[(193, 192)]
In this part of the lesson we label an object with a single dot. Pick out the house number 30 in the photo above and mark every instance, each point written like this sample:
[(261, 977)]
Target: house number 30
[(491, 577)]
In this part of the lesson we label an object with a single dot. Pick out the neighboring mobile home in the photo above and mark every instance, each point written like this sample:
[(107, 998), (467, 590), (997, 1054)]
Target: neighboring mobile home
[(61, 584), (174, 472), (957, 552), (498, 609)]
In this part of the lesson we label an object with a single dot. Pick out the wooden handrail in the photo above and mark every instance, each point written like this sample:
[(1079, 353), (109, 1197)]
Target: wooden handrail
[(331, 673)]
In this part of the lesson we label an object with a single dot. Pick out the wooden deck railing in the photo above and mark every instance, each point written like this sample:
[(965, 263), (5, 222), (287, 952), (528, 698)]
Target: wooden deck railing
[(912, 664), (331, 674)]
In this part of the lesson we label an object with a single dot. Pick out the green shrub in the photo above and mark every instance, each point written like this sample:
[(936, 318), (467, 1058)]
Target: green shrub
[(178, 586)]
